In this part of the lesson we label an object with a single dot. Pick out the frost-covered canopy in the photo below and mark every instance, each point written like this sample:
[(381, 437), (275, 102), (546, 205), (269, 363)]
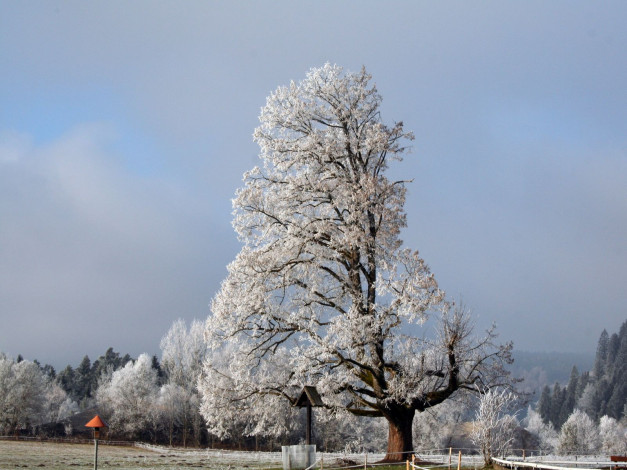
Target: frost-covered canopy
[(322, 288)]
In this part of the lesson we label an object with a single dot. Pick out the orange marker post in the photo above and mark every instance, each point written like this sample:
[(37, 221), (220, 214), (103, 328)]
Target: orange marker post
[(96, 423)]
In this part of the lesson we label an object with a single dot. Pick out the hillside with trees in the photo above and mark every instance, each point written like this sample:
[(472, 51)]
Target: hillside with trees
[(599, 392), (540, 368)]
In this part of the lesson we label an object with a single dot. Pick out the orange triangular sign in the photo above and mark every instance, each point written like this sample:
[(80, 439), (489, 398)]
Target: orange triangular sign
[(96, 422)]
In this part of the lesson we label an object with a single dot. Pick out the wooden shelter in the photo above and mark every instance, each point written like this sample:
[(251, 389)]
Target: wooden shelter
[(308, 398)]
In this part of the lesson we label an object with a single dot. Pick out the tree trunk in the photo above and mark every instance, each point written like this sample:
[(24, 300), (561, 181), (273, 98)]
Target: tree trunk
[(185, 425), (400, 443)]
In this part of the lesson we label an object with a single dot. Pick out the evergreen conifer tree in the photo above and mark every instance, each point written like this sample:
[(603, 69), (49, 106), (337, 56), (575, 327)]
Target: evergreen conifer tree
[(567, 406), (544, 405), (556, 399), (83, 378), (601, 355)]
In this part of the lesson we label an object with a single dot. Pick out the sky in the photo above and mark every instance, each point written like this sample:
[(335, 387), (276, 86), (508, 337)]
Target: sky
[(126, 127)]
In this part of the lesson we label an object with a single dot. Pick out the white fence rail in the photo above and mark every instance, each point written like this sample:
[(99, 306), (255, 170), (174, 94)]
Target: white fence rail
[(555, 464), (66, 440)]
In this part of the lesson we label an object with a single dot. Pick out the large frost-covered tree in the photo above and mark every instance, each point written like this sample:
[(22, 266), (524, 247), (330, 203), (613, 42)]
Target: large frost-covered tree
[(322, 292)]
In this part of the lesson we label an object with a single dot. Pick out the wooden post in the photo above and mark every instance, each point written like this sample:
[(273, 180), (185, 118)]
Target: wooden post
[(308, 398), (96, 423), (450, 453), (96, 454), (459, 461), (407, 464), (366, 461), (308, 436)]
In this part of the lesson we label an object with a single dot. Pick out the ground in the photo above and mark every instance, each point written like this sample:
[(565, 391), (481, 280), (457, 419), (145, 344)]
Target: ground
[(55, 456)]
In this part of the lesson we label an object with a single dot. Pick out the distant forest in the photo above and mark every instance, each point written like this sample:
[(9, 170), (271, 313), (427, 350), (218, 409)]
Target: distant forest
[(598, 392), (540, 368)]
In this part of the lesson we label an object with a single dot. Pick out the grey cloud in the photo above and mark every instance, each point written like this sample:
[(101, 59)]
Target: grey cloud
[(93, 256), (518, 201)]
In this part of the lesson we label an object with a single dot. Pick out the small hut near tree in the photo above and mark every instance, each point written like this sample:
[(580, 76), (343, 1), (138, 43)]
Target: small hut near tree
[(309, 398)]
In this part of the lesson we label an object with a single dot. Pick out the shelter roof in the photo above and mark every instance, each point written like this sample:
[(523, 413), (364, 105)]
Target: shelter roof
[(309, 396)]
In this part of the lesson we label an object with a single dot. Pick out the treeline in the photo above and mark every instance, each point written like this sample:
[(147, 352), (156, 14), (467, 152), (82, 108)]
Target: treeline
[(156, 399), (599, 392), (139, 398), (30, 397), (34, 398), (81, 383), (150, 399)]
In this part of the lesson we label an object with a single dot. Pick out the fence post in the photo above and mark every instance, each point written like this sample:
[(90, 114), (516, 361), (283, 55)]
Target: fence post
[(407, 464), (459, 461), (366, 461), (450, 453)]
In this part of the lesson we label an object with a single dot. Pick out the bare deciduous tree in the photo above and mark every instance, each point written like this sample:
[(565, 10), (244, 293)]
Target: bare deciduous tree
[(493, 428)]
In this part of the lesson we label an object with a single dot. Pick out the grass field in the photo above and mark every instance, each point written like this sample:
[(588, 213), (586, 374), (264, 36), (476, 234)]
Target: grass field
[(51, 456)]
